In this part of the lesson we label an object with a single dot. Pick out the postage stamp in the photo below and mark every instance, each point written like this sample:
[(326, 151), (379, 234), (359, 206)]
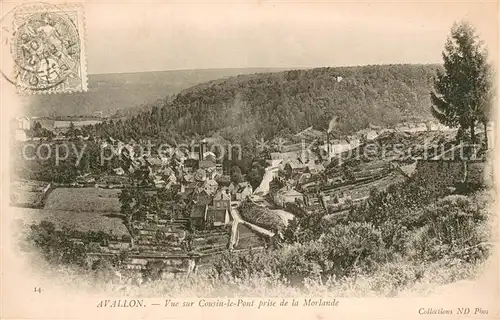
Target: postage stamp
[(46, 45)]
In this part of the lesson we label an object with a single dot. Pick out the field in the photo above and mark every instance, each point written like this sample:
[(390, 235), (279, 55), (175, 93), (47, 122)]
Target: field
[(83, 199), (248, 238), (82, 221), (362, 190), (83, 209), (210, 241)]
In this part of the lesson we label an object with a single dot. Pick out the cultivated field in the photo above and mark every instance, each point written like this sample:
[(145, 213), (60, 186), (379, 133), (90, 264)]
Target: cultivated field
[(247, 238), (82, 221), (84, 199)]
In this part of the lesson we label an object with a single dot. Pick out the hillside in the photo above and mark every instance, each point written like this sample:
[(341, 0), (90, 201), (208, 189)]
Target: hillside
[(245, 107), (293, 100), (113, 93)]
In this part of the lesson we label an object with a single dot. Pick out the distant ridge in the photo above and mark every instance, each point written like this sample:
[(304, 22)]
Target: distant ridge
[(112, 92)]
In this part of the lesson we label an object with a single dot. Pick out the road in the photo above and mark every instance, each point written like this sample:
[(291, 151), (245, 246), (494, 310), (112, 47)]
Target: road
[(263, 188), (233, 241)]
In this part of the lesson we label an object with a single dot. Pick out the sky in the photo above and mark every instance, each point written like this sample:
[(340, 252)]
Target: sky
[(149, 36)]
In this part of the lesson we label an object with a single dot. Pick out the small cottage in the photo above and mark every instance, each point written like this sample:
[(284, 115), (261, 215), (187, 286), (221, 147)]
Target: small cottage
[(217, 217)]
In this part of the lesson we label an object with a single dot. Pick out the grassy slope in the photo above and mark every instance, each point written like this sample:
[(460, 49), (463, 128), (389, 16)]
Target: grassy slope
[(83, 209), (83, 199)]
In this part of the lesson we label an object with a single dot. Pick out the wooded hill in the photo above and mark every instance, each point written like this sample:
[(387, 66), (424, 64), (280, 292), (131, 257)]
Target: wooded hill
[(119, 93), (246, 107)]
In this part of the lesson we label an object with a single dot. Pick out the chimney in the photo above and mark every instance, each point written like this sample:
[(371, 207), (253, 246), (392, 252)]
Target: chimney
[(202, 149)]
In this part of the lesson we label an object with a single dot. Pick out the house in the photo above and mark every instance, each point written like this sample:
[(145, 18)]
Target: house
[(155, 163), (287, 195), (188, 178), (188, 188), (210, 156), (125, 150), (191, 165), (170, 178), (335, 147), (211, 173), (158, 181), (216, 217), (200, 175), (243, 191), (210, 186), (218, 169), (179, 156), (198, 215), (207, 164), (337, 199), (222, 199), (167, 171), (232, 188), (354, 141), (288, 156), (295, 167), (202, 198), (119, 171), (420, 126), (223, 180)]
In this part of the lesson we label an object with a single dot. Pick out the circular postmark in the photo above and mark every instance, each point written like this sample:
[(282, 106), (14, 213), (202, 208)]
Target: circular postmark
[(43, 44)]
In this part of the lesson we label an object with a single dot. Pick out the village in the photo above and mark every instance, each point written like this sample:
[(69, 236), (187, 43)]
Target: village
[(210, 212)]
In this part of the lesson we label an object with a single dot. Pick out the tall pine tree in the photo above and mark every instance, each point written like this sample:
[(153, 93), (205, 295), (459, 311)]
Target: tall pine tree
[(462, 96)]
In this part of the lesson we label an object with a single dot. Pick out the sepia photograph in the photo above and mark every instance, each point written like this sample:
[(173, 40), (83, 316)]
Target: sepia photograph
[(249, 158)]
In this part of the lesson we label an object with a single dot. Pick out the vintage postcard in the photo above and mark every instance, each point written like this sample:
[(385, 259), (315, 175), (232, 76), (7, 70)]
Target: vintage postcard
[(251, 159)]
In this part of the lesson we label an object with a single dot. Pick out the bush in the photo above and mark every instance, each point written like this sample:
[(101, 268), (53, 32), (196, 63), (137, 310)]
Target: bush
[(260, 216), (452, 231)]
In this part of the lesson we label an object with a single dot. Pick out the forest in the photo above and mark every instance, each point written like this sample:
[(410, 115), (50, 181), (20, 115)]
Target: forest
[(264, 105)]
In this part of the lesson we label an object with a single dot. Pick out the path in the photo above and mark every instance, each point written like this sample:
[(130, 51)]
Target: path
[(233, 241), (263, 188), (258, 229)]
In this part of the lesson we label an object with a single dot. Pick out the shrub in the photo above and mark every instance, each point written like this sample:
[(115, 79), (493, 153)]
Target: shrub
[(452, 230)]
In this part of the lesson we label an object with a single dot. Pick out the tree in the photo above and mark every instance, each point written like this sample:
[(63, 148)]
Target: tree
[(37, 126), (71, 130), (236, 176), (134, 205), (462, 93)]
